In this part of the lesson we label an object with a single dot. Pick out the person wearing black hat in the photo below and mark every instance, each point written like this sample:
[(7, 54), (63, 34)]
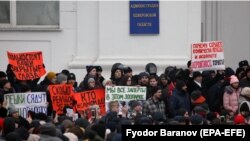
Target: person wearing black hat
[(128, 71), (243, 64), (5, 88), (65, 72), (199, 101), (3, 75), (48, 132), (179, 99), (135, 109), (71, 79), (241, 70), (215, 93), (195, 83), (143, 79), (91, 73), (196, 120), (116, 75), (245, 82), (100, 78)]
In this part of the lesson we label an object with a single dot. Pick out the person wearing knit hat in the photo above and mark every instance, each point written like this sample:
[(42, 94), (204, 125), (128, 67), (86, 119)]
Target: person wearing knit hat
[(71, 79), (128, 71), (48, 133), (71, 76), (196, 120), (13, 111), (231, 95), (143, 78), (99, 129), (229, 72), (51, 76), (199, 102), (2, 75), (83, 123), (65, 72), (133, 104), (243, 64), (100, 78), (117, 74), (196, 74), (239, 120), (234, 79), (61, 79), (179, 99), (135, 109), (1, 124), (245, 82), (98, 68), (196, 83), (240, 73), (91, 70), (91, 83), (180, 119), (91, 80)]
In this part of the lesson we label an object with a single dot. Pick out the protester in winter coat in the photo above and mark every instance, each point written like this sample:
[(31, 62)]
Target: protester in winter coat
[(198, 100), (48, 133), (154, 103), (231, 96), (246, 81), (244, 102), (215, 94), (179, 99)]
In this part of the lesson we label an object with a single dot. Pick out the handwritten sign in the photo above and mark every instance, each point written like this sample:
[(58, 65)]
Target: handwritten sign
[(24, 102), (208, 56), (28, 65), (88, 98), (124, 94), (61, 96)]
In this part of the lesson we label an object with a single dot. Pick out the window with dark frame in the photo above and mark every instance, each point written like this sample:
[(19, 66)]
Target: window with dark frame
[(18, 14)]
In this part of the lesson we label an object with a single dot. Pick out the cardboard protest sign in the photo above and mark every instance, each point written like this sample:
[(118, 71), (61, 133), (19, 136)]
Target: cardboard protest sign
[(24, 102), (61, 95), (28, 65), (124, 94), (208, 56), (88, 98)]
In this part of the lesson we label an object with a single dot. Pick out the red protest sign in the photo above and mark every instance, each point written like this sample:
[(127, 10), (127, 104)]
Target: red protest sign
[(28, 65), (88, 98), (61, 95)]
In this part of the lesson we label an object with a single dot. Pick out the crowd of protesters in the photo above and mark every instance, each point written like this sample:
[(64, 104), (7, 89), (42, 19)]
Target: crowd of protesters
[(176, 97)]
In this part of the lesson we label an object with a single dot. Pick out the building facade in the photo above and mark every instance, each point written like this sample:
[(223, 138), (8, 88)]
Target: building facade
[(73, 34)]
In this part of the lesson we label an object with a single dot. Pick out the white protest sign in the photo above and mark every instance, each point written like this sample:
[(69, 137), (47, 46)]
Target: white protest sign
[(124, 94), (207, 56), (24, 102)]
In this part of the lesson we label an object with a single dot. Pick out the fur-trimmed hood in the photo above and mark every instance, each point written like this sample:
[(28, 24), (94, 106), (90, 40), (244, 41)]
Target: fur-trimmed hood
[(245, 92)]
